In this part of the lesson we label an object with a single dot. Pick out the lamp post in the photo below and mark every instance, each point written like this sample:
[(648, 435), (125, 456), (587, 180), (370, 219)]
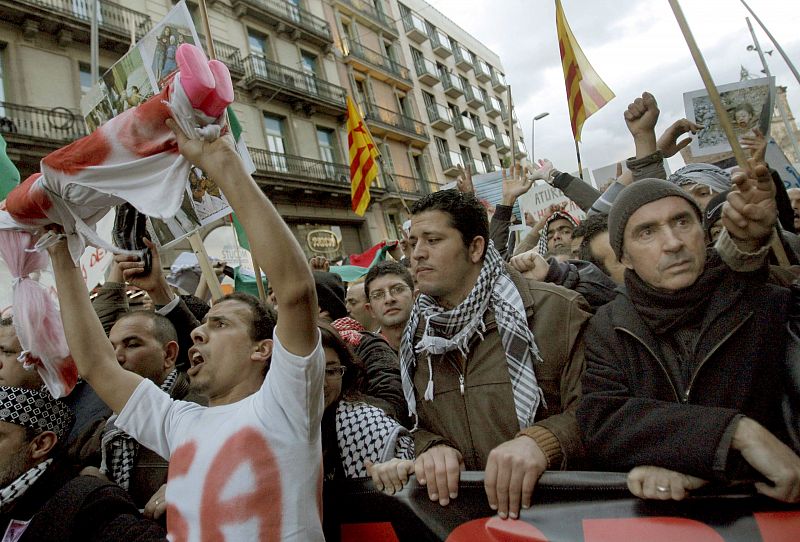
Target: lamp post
[(540, 116)]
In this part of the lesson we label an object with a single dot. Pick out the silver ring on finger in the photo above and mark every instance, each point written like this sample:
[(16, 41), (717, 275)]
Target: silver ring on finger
[(662, 489)]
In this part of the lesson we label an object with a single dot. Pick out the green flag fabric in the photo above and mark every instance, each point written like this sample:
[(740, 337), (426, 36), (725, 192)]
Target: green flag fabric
[(9, 176)]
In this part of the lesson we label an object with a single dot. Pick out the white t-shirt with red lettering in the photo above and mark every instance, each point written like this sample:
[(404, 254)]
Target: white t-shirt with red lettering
[(251, 470)]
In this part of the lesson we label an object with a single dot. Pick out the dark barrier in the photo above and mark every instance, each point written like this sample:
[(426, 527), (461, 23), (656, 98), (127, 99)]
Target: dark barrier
[(568, 507)]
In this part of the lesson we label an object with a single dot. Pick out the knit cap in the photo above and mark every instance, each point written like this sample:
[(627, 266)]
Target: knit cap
[(634, 197)]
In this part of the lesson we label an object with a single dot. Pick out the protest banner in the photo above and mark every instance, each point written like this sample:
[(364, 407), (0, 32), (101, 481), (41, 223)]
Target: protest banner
[(747, 105)]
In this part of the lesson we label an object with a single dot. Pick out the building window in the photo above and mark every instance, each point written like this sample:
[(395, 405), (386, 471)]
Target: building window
[(275, 136), (258, 43), (487, 162), (441, 145), (85, 74), (2, 72), (326, 138)]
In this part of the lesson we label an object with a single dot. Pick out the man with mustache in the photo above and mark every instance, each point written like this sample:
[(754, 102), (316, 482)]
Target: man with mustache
[(683, 376)]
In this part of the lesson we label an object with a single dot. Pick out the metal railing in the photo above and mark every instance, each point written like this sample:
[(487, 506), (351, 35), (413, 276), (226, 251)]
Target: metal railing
[(369, 9), (113, 17), (259, 67), (396, 120), (451, 160), (407, 184), (449, 81), (228, 54), (463, 124), (58, 124), (287, 165), (412, 21), (498, 79), (482, 69), (439, 40), (295, 15), (376, 59), (437, 112), (424, 66), (461, 55)]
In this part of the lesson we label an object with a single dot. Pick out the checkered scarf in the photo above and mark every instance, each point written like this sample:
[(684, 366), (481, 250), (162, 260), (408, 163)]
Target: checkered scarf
[(118, 449), (452, 330), (541, 248), (18, 487)]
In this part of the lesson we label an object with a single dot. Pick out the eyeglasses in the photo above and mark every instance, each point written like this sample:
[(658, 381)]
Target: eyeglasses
[(394, 291), (335, 372)]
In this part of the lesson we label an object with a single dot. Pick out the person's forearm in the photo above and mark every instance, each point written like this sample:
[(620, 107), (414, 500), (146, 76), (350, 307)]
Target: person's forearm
[(645, 143), (89, 347), (289, 273)]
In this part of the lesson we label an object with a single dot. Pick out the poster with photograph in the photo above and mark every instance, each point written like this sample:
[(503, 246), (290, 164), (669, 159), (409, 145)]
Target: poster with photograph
[(172, 230), (160, 44), (749, 104), (207, 199), (127, 82)]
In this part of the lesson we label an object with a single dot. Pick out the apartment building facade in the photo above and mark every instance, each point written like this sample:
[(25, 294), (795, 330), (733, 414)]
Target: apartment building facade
[(292, 62)]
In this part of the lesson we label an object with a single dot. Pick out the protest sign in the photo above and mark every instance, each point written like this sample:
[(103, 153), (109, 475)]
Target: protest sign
[(748, 104)]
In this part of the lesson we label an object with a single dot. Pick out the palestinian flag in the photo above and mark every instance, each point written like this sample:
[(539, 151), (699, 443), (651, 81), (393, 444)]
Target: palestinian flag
[(360, 264), (9, 176)]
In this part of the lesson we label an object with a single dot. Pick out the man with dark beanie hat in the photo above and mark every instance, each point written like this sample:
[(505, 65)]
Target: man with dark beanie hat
[(683, 371)]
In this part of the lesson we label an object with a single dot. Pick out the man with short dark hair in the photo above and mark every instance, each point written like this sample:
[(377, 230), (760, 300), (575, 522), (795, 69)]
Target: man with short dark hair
[(390, 290), (41, 495), (356, 302), (683, 379), (595, 247), (480, 342), (249, 465)]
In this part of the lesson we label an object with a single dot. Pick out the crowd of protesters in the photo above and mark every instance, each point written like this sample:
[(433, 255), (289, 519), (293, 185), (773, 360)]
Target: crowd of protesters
[(657, 337)]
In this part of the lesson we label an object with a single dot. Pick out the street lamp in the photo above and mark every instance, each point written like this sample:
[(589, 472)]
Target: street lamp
[(540, 116)]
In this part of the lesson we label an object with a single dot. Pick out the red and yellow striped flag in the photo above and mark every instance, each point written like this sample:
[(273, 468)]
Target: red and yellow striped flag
[(363, 158), (586, 92)]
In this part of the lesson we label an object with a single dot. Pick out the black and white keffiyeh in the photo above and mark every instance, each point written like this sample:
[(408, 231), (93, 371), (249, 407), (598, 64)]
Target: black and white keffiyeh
[(18, 487), (35, 409), (450, 330), (366, 433), (118, 449)]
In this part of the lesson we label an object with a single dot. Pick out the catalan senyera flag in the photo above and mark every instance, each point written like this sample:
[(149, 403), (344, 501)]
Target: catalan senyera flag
[(586, 92), (363, 158)]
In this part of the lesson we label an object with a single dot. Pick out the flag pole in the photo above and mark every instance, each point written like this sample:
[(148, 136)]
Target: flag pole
[(511, 127), (722, 114), (774, 42), (578, 154)]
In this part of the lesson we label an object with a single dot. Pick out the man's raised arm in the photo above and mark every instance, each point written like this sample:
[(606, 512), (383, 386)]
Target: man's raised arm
[(273, 244), (88, 344)]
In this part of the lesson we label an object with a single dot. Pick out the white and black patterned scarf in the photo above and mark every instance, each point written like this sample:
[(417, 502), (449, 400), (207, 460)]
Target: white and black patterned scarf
[(452, 330), (18, 487), (366, 433), (118, 449)]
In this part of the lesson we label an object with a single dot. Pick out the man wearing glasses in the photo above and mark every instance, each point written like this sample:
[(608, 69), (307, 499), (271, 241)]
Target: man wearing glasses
[(390, 292)]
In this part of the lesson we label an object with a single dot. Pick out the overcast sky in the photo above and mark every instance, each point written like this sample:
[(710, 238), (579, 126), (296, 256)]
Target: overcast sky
[(634, 45)]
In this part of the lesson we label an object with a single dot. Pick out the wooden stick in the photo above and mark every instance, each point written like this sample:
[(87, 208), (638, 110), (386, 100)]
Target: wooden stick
[(262, 293), (722, 114), (205, 265), (212, 53)]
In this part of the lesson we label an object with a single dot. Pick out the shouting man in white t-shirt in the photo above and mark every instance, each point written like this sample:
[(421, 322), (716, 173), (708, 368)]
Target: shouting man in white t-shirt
[(248, 467)]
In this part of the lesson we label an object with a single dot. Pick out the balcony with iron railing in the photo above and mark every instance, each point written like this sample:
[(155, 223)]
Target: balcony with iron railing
[(473, 95), (479, 167), (439, 116), (70, 20), (286, 167), (483, 72), (33, 132), (268, 78), (464, 127), (441, 43), (382, 120), (427, 73), (452, 85), (370, 13), (462, 56), (502, 142), (493, 107), (485, 136), (415, 28), (228, 54), (498, 81), (287, 19), (520, 150), (450, 162), (377, 64), (408, 185)]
